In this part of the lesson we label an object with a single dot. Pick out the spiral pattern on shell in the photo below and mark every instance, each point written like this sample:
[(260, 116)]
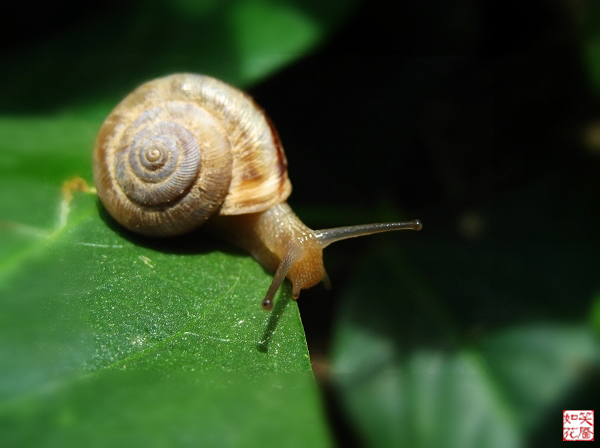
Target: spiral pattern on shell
[(160, 165), (167, 170), (181, 148)]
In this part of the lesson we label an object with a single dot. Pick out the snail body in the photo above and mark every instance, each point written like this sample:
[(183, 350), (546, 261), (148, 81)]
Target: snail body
[(186, 149)]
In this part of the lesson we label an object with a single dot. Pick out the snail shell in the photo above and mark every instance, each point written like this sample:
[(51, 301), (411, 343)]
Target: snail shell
[(181, 148)]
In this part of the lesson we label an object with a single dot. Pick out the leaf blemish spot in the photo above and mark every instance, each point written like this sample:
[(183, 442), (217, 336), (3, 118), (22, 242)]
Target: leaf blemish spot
[(146, 261)]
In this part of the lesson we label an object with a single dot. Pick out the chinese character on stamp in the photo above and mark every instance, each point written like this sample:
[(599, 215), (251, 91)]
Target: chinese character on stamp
[(578, 426)]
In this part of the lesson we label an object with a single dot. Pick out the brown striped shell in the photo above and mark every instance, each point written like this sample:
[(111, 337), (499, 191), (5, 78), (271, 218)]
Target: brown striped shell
[(181, 148)]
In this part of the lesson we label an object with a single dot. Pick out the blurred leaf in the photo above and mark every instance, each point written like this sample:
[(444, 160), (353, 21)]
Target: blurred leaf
[(84, 298), (596, 314), (588, 15), (106, 51), (270, 35), (473, 340)]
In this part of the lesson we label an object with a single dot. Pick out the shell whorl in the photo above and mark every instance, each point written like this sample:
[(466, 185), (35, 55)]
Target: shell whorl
[(181, 148), (161, 163), (163, 170)]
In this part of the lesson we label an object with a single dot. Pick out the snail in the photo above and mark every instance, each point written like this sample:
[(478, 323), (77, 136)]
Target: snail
[(186, 149)]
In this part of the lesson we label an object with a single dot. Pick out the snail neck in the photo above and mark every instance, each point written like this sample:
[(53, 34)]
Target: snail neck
[(278, 240)]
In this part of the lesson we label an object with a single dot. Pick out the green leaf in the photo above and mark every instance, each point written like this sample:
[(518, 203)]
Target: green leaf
[(195, 359), (472, 340), (140, 409), (116, 339)]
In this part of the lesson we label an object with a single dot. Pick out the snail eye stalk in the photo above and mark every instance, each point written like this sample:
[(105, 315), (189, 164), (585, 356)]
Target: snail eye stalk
[(328, 236)]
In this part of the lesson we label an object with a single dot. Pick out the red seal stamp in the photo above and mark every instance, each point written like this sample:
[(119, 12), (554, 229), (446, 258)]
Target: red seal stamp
[(578, 426)]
